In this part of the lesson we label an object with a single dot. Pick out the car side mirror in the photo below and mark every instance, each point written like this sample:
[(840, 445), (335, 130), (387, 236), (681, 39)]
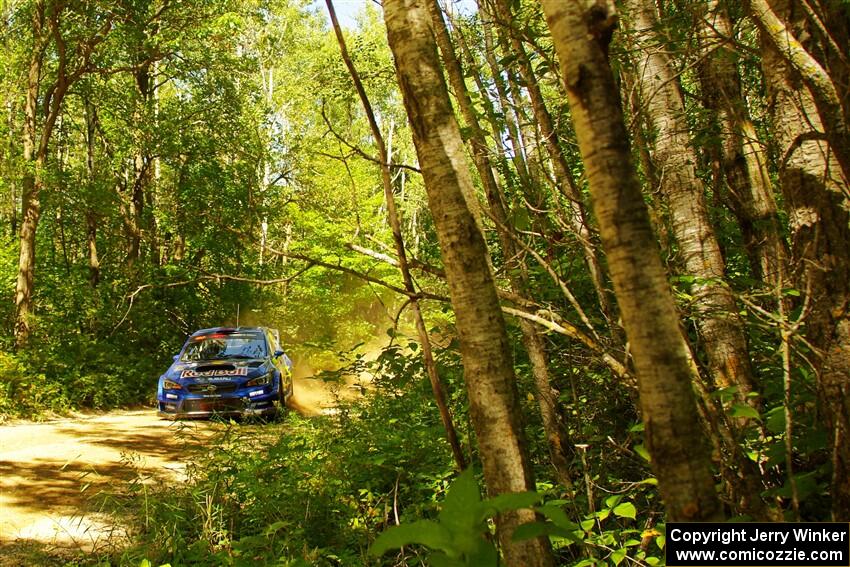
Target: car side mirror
[(278, 353), (175, 357)]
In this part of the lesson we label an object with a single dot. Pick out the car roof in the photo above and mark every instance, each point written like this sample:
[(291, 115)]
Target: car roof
[(228, 330)]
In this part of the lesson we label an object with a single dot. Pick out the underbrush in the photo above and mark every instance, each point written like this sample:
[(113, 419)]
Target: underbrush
[(74, 373), (320, 491), (301, 491)]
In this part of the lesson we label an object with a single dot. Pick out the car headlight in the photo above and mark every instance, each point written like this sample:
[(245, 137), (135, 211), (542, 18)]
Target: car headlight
[(260, 381), (171, 385)]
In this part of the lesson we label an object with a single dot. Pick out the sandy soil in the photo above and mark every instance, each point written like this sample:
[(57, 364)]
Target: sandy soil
[(50, 470)]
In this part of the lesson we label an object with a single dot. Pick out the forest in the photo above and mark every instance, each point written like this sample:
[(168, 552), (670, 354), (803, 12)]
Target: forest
[(603, 248)]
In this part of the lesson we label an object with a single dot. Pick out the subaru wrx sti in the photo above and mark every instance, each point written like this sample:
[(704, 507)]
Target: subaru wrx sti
[(227, 371)]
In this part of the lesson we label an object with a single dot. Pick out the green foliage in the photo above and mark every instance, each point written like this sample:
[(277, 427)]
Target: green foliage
[(606, 537), (458, 534), (304, 491)]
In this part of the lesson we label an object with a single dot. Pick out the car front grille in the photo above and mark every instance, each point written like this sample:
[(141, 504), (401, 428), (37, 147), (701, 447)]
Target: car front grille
[(212, 388), (230, 404)]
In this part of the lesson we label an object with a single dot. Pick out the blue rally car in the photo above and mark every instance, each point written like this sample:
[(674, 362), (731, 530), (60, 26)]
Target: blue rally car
[(227, 371)]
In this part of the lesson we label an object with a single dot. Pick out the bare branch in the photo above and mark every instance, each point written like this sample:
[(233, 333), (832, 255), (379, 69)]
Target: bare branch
[(568, 330), (360, 151)]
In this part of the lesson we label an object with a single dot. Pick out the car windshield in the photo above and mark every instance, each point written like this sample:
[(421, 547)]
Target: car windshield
[(217, 346)]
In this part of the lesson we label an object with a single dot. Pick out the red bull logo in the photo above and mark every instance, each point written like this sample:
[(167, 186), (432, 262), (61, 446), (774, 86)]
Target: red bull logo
[(214, 373)]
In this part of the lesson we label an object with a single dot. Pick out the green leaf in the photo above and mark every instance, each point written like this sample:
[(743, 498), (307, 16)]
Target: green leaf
[(743, 410), (443, 560), (641, 450), (423, 532), (510, 501), (275, 527), (618, 556), (485, 555), (558, 517), (537, 529), (775, 420), (612, 501), (626, 510), (461, 508)]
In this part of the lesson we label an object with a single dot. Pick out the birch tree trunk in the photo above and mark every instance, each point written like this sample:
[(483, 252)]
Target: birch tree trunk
[(581, 33), (718, 321), (825, 94), (488, 368), (816, 200), (738, 157)]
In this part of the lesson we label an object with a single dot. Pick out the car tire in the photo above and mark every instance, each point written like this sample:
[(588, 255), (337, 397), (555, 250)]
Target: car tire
[(283, 397), (291, 392)]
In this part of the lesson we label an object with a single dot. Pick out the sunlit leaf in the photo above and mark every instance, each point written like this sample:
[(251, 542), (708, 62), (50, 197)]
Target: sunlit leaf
[(626, 510)]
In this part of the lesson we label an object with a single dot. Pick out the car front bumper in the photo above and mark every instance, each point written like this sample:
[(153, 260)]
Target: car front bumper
[(224, 406)]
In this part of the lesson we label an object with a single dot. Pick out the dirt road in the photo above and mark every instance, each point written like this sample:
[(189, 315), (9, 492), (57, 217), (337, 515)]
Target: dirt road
[(48, 471)]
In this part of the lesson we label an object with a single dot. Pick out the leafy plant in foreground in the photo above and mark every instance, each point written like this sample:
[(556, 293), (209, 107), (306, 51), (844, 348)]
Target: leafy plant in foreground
[(458, 537)]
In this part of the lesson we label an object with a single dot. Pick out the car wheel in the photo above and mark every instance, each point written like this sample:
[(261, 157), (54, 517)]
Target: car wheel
[(291, 391), (283, 397)]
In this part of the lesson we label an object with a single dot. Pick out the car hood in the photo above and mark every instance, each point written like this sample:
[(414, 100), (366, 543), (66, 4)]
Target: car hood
[(224, 369)]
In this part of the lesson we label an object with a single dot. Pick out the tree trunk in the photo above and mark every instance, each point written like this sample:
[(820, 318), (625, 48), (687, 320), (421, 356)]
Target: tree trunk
[(386, 179), (142, 229), (31, 186), (37, 140), (91, 212), (488, 369), (556, 432), (673, 433), (718, 321), (11, 174), (518, 146), (816, 199), (737, 156), (824, 93)]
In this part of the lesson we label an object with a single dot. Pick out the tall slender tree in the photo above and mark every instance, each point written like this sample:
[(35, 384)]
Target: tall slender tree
[(676, 160), (72, 62), (826, 95), (816, 200), (736, 154), (581, 34), (545, 394), (389, 196), (488, 368)]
